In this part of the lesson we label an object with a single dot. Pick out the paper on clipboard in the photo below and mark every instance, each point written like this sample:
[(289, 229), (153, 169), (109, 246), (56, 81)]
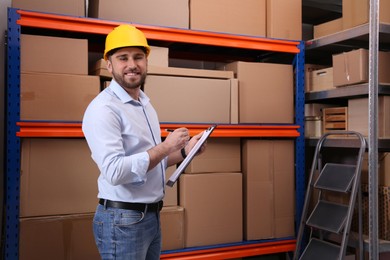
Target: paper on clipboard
[(175, 175)]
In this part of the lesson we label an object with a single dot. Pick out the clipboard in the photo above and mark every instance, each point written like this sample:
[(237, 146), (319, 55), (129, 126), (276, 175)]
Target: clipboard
[(175, 175)]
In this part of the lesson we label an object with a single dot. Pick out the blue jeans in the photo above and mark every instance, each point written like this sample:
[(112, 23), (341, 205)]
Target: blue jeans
[(127, 234)]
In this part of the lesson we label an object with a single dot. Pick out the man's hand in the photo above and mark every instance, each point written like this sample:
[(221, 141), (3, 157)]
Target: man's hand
[(177, 139), (192, 143)]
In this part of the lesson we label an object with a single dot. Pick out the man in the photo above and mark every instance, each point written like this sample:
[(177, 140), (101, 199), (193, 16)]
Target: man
[(123, 132)]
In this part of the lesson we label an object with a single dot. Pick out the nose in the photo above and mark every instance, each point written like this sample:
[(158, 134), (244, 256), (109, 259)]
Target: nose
[(131, 63)]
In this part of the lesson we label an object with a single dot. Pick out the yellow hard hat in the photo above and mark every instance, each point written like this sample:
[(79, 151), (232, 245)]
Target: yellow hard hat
[(125, 35)]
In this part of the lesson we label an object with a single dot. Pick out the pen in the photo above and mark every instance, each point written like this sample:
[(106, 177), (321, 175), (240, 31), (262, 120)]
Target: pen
[(169, 130)]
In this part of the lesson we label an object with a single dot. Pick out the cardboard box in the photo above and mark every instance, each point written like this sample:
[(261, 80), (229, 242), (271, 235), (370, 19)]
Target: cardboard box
[(72, 7), (172, 227), (187, 99), (213, 208), (284, 19), (41, 54), (309, 68), (158, 56), (57, 237), (234, 96), (171, 193), (270, 100), (356, 12), (56, 97), (352, 67), (222, 155), (179, 82), (268, 176), (321, 79), (229, 16), (171, 13), (328, 28), (358, 116), (100, 69), (58, 177)]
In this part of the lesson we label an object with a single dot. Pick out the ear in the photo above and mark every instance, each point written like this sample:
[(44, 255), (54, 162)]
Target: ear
[(109, 65)]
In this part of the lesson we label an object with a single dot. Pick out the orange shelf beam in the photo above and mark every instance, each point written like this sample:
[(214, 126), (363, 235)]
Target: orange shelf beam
[(32, 129), (40, 129), (239, 130), (98, 26), (231, 252)]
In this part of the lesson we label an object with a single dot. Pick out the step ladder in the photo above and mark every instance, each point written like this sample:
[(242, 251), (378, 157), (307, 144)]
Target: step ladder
[(324, 229)]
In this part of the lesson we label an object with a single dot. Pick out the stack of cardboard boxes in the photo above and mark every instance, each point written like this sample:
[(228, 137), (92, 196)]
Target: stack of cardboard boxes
[(278, 19), (354, 13), (351, 68), (57, 192), (240, 189), (264, 18)]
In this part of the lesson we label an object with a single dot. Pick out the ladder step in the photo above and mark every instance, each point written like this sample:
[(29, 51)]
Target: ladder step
[(336, 177), (320, 250), (328, 216)]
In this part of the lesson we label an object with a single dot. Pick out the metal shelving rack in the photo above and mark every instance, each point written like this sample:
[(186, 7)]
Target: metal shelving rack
[(18, 19), (369, 35)]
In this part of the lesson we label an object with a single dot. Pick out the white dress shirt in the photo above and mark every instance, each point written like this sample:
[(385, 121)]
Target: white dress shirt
[(119, 130)]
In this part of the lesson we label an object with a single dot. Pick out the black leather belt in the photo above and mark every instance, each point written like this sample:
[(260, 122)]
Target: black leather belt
[(132, 206)]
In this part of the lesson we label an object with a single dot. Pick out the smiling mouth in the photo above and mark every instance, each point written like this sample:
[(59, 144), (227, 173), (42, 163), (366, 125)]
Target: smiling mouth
[(131, 73)]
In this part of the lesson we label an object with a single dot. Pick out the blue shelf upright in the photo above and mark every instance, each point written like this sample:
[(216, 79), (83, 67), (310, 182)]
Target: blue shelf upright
[(300, 186), (12, 163)]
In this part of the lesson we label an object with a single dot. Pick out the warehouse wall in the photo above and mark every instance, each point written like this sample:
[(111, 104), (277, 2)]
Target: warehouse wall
[(4, 4)]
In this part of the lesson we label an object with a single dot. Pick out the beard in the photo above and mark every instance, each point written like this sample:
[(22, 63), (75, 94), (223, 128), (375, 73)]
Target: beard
[(129, 84)]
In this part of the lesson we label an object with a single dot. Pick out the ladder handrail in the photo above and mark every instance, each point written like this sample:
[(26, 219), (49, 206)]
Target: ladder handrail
[(317, 163)]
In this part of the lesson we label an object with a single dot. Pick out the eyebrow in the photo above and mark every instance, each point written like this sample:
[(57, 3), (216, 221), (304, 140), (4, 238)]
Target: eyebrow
[(122, 56), (125, 55)]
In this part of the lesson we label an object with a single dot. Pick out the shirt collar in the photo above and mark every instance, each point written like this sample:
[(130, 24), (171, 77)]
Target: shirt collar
[(125, 97)]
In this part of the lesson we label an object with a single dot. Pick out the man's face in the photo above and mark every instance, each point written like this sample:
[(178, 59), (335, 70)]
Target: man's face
[(128, 67)]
